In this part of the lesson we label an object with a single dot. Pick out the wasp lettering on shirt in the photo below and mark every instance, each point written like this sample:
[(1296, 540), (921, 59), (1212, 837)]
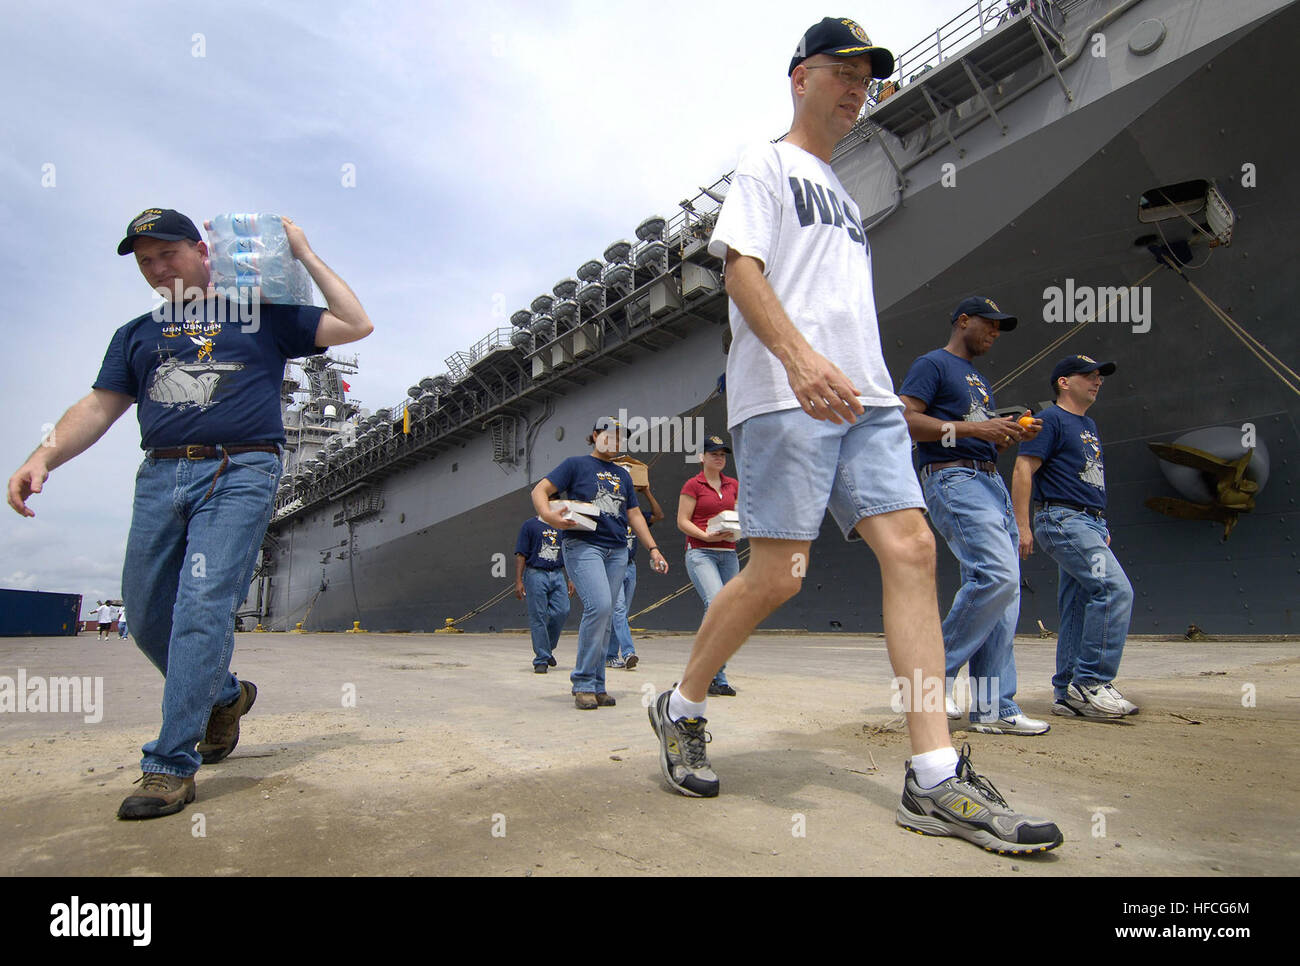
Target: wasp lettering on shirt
[(203, 315), (74, 919), (813, 201)]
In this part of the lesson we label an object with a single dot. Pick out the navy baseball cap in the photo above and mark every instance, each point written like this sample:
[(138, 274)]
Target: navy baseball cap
[(985, 309), (715, 444), (1073, 365), (164, 223), (841, 37), (608, 423)]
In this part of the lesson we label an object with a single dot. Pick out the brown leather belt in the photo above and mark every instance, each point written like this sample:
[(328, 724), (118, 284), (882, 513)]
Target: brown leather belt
[(985, 466), (1092, 511), (202, 452)]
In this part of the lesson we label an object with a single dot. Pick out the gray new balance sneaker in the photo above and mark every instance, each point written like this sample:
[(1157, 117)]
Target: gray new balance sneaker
[(682, 757), (968, 806)]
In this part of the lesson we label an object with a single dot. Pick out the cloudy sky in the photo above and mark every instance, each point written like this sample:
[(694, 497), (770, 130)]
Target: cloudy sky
[(495, 146)]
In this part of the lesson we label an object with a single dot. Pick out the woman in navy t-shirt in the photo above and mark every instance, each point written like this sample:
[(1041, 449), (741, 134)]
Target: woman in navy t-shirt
[(596, 560)]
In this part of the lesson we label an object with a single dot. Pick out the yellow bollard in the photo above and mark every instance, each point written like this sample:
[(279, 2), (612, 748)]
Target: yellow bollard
[(450, 628), (298, 629), (356, 628)]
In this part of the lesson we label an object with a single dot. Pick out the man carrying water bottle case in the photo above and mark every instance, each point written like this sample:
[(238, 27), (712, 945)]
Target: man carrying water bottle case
[(206, 378)]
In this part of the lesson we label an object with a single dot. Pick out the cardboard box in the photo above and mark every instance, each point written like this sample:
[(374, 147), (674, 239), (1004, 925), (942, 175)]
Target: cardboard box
[(639, 472)]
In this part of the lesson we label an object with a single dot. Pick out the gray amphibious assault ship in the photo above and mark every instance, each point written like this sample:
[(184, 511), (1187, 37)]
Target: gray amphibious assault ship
[(1119, 174)]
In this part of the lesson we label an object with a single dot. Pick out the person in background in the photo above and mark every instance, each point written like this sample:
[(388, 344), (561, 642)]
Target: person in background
[(711, 558), (541, 582), (596, 559), (950, 413), (121, 622), (621, 653), (1063, 471)]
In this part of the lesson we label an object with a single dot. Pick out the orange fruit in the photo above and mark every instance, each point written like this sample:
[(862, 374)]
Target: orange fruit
[(1027, 420)]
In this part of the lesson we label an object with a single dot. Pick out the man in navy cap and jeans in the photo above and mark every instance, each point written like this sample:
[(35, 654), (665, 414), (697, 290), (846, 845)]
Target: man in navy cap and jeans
[(1063, 468), (206, 379), (816, 425), (950, 414)]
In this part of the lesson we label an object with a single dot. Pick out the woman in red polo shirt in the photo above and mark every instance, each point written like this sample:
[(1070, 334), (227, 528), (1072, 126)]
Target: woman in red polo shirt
[(710, 557)]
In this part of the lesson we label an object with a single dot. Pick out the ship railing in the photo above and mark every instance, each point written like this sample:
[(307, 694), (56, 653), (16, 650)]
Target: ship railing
[(981, 17), (495, 341)]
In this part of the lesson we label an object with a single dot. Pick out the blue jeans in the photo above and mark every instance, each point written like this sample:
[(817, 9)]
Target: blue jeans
[(1095, 597), (547, 595), (597, 573), (121, 629), (189, 560), (709, 570), (972, 512), (620, 635)]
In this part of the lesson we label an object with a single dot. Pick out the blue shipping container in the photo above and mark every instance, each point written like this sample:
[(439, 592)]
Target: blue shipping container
[(32, 613)]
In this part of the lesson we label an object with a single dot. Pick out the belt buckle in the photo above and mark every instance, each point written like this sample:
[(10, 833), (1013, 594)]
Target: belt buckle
[(191, 451)]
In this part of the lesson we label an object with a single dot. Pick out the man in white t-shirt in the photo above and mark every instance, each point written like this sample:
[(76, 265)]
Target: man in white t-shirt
[(104, 617), (816, 425)]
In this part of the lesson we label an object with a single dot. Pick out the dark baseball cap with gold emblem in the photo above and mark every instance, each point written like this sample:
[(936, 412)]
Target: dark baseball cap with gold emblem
[(164, 223), (985, 309), (841, 37), (1073, 365), (716, 444)]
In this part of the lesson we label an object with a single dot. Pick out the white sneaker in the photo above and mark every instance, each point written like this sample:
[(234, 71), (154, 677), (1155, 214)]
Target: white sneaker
[(950, 706), (1128, 706), (1019, 724), (1097, 699)]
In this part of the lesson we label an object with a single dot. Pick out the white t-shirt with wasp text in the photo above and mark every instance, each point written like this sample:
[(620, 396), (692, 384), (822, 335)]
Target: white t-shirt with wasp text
[(788, 209)]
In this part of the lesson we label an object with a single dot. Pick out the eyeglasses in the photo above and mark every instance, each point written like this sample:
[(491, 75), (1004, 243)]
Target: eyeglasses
[(847, 75)]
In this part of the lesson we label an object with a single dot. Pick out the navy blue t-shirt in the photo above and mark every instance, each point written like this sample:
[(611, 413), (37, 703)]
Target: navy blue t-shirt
[(953, 391), (603, 483), (1070, 449), (539, 543), (204, 376)]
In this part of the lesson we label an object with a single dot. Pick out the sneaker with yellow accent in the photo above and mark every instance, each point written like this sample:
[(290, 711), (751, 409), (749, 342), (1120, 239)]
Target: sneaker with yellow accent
[(682, 757), (968, 806)]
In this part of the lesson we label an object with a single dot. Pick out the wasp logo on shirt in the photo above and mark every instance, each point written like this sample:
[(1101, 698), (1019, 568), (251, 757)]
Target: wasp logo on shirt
[(1093, 473), (609, 496), (814, 201), (205, 348), (979, 400), (550, 549)]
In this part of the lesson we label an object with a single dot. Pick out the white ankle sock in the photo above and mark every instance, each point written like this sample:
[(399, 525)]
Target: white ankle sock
[(933, 767), (679, 707)]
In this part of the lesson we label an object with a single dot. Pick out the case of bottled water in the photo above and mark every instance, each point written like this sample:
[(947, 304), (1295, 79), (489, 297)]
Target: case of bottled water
[(251, 249)]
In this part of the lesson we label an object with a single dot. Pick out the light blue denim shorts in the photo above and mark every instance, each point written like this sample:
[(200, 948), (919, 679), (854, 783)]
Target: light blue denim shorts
[(793, 468)]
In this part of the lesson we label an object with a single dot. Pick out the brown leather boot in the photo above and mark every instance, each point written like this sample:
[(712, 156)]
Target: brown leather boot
[(603, 700), (159, 795), (584, 701), (223, 725)]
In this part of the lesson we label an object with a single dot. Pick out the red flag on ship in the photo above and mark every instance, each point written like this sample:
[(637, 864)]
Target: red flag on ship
[(346, 387)]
